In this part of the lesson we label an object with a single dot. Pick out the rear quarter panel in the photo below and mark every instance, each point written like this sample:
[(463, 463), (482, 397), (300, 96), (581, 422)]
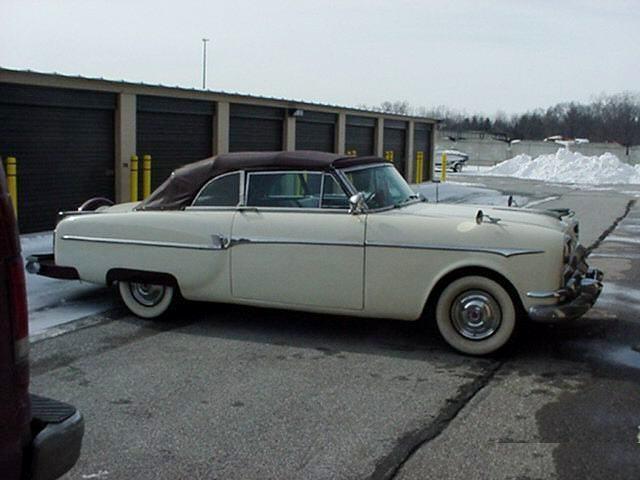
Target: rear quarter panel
[(202, 274)]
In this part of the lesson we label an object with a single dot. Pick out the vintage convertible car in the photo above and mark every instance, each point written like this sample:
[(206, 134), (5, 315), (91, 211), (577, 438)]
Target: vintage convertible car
[(328, 233)]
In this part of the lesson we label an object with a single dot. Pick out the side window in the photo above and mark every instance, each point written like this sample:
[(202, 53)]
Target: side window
[(333, 195), (221, 192), (284, 190)]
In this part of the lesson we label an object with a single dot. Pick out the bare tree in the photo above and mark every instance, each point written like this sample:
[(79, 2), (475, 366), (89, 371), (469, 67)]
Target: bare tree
[(400, 107), (608, 118)]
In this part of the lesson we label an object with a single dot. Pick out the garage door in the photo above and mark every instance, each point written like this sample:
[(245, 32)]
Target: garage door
[(174, 132), (255, 129), (395, 134), (64, 143), (422, 151), (360, 135), (316, 131)]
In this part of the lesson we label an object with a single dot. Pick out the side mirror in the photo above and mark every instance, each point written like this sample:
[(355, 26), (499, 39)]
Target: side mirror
[(356, 203)]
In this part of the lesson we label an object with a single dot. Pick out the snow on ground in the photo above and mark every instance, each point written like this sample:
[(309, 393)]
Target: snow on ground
[(566, 166), (53, 302)]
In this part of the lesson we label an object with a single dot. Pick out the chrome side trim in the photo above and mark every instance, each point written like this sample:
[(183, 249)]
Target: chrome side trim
[(291, 210), (219, 242), (283, 241), (210, 209), (504, 252), (144, 243), (545, 294)]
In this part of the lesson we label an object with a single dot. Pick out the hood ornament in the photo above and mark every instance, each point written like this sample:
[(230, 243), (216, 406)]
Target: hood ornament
[(482, 217)]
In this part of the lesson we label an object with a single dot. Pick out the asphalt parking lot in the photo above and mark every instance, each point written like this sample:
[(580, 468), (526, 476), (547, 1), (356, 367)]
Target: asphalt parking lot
[(219, 391)]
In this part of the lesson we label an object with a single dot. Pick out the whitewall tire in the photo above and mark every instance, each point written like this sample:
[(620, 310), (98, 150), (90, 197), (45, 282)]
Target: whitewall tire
[(146, 300), (475, 315)]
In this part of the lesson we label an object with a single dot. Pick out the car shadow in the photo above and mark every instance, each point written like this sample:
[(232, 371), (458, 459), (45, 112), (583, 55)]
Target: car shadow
[(595, 341), (328, 334)]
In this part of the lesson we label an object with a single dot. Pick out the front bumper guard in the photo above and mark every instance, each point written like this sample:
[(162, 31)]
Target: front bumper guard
[(574, 301)]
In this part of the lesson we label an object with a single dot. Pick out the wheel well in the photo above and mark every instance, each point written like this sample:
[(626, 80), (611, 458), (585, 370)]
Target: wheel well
[(430, 305), (141, 276)]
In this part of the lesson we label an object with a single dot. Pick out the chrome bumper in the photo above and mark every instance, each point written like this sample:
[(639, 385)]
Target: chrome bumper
[(578, 296), (45, 265)]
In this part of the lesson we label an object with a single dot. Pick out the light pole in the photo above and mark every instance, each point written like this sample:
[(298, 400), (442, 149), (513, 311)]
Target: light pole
[(204, 63)]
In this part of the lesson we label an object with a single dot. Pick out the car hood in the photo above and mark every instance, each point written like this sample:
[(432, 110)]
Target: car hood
[(507, 215)]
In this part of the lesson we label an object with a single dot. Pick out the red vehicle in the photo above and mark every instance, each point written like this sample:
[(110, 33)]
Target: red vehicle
[(40, 438)]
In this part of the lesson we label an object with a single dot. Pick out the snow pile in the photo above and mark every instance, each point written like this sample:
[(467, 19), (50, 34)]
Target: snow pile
[(569, 167)]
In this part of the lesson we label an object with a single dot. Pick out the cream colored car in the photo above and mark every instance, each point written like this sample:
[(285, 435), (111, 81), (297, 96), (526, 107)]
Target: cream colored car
[(327, 233)]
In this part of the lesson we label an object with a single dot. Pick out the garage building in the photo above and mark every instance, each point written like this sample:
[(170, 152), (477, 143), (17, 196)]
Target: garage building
[(74, 137)]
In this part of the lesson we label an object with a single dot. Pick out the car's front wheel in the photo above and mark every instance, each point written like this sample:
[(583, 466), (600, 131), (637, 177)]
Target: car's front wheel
[(475, 315), (146, 300)]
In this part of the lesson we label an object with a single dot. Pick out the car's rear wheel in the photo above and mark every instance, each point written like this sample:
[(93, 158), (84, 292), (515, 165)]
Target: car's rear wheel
[(475, 315), (146, 300)]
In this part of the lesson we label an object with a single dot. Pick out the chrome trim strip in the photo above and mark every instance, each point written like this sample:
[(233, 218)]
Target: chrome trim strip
[(546, 294), (505, 252), (224, 243), (381, 163), (322, 188), (144, 243), (243, 179), (283, 241), (292, 210), (351, 189), (210, 209)]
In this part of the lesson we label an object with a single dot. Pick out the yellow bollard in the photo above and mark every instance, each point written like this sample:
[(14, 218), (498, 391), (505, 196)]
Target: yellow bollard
[(443, 173), (146, 176), (12, 182), (419, 166), (134, 179), (388, 155)]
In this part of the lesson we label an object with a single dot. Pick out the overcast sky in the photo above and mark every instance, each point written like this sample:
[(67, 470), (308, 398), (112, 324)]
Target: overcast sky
[(475, 56)]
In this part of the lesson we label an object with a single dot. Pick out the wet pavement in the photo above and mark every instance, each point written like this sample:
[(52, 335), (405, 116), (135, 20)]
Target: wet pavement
[(225, 392)]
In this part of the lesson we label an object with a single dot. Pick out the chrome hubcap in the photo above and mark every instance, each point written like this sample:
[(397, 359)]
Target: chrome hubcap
[(475, 315), (147, 294)]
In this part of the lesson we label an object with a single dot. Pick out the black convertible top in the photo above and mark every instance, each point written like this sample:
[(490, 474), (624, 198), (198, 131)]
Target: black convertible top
[(177, 191)]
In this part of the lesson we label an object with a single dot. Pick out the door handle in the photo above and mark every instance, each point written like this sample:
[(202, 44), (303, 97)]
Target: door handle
[(219, 242)]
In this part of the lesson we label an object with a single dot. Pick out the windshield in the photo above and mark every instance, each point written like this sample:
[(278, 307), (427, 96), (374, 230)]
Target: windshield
[(382, 185)]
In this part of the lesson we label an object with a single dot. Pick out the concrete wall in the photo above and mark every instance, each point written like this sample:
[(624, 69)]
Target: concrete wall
[(489, 151)]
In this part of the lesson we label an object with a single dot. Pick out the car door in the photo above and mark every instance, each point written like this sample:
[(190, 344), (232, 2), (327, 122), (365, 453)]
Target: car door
[(208, 220), (292, 245)]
